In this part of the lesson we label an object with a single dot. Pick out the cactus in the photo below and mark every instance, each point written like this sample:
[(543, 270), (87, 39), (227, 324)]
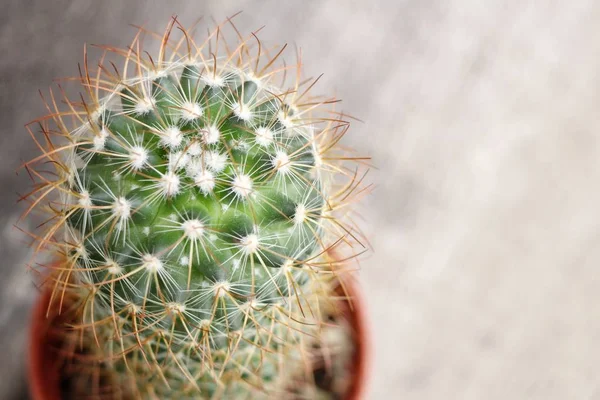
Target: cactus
[(194, 203)]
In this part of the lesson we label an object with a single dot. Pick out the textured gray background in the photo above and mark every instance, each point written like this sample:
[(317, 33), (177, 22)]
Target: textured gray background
[(482, 117)]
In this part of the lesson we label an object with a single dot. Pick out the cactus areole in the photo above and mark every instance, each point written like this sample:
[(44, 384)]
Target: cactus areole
[(194, 196)]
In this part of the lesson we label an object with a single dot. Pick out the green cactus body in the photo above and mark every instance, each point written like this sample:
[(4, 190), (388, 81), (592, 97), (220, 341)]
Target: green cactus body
[(197, 206)]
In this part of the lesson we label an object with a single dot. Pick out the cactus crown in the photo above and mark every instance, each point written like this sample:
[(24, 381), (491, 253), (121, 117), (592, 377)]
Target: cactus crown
[(197, 202)]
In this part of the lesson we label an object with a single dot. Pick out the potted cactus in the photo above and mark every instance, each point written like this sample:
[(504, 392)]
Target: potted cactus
[(199, 230)]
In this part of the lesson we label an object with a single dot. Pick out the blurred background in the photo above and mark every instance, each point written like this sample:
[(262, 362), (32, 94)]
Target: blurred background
[(482, 118)]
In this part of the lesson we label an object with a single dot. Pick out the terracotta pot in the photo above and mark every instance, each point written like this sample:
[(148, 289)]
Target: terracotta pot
[(355, 312), (44, 368)]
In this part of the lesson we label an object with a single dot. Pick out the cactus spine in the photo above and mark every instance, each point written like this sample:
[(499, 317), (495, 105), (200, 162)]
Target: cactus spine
[(194, 201)]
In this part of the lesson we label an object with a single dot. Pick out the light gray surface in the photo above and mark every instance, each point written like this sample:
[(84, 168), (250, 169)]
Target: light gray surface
[(482, 118)]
